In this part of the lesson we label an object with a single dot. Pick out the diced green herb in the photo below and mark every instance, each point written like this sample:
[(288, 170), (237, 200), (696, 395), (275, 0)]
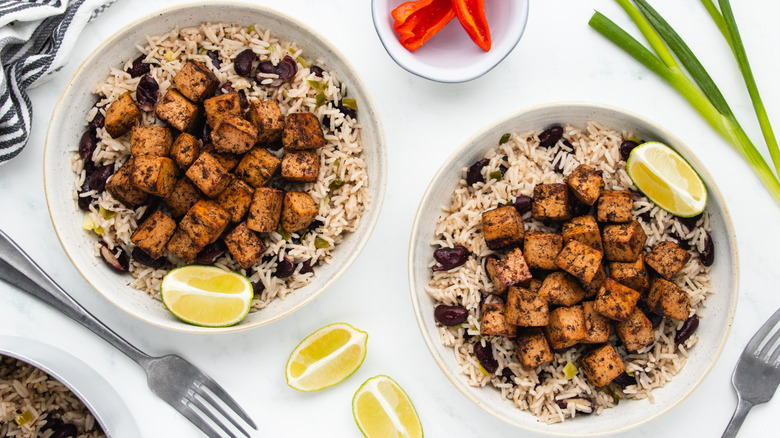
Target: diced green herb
[(250, 29), (302, 62), (570, 370), (505, 138), (250, 90), (318, 85), (291, 50), (203, 51), (23, 418), (282, 232), (336, 163), (107, 214), (496, 175), (630, 374), (349, 103), (321, 243), (319, 99), (616, 398), (303, 233), (336, 184)]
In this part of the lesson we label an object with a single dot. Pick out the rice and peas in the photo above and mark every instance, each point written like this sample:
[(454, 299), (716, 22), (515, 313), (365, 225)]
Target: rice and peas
[(546, 391)]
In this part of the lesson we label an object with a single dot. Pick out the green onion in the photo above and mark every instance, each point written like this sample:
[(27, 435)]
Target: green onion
[(282, 232), (496, 175), (302, 62), (250, 29), (505, 138), (630, 374), (23, 418), (318, 85), (291, 50), (321, 243), (570, 370), (616, 398), (319, 99), (336, 163), (349, 103), (336, 184), (107, 214)]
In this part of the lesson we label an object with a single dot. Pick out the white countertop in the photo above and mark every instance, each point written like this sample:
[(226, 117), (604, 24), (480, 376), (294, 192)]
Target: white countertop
[(559, 58)]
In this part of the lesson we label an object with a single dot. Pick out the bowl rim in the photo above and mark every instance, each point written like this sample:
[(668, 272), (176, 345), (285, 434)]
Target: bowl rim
[(703, 173), (376, 203), (453, 78)]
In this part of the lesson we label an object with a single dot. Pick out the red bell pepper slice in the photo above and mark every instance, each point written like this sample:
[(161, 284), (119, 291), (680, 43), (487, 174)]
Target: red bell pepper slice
[(471, 14), (417, 21)]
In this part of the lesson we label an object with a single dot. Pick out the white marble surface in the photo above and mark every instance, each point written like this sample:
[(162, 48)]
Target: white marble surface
[(559, 58)]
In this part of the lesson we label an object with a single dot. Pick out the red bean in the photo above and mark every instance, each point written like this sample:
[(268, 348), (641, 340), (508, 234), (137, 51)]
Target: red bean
[(242, 100), (450, 258), (214, 57), (523, 204), (139, 67), (450, 315), (306, 267), (97, 180), (284, 268), (147, 93), (346, 111), (550, 136), (474, 174), (143, 258), (485, 357), (87, 146), (626, 147), (317, 70), (118, 262), (211, 252), (258, 287), (242, 63), (97, 122), (707, 254), (687, 329)]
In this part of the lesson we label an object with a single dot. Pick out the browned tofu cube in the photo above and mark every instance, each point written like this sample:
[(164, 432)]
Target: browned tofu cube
[(601, 365), (512, 270), (184, 248), (616, 301), (534, 285), (236, 198), (541, 249), (502, 227), (583, 229), (183, 196), (177, 111), (208, 175), (631, 274), (265, 210), (579, 260), (494, 323), (185, 150), (594, 286), (121, 186), (226, 160), (561, 289), (566, 327), (491, 262), (301, 166), (205, 222), (244, 245), (195, 81), (153, 234), (267, 118), (667, 299), (233, 135), (526, 308), (624, 242), (667, 259), (154, 175), (615, 206), (302, 131), (150, 140), (635, 332), (532, 349), (257, 167), (121, 116), (586, 183), (551, 203), (597, 325), (216, 107), (298, 211)]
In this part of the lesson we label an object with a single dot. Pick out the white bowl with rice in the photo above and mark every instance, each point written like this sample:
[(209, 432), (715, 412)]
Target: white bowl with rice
[(184, 32), (449, 213)]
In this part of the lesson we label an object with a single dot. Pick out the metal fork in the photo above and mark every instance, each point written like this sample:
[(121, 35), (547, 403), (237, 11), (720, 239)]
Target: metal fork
[(179, 383), (757, 373)]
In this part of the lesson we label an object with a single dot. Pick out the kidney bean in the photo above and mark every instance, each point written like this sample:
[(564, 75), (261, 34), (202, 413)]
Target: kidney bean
[(214, 57), (654, 318), (578, 208), (242, 63), (506, 372), (119, 263), (51, 423), (139, 67), (326, 122), (97, 180), (211, 252), (242, 100), (258, 287), (286, 68), (707, 255), (346, 111), (550, 136), (626, 147), (578, 401), (474, 174), (523, 204), (306, 267), (97, 122), (689, 326), (315, 224), (450, 315), (67, 430), (450, 258), (87, 145), (226, 88), (143, 258), (624, 380), (84, 201), (689, 223), (284, 268), (485, 357), (317, 70), (147, 93)]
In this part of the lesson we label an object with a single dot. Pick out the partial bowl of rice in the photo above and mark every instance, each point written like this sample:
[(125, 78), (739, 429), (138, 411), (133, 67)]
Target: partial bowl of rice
[(512, 296), (221, 134)]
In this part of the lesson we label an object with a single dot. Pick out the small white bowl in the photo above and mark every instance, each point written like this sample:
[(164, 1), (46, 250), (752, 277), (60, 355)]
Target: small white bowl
[(718, 313), (451, 55)]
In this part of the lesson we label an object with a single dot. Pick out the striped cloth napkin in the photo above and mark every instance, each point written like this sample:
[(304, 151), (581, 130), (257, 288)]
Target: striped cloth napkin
[(36, 39)]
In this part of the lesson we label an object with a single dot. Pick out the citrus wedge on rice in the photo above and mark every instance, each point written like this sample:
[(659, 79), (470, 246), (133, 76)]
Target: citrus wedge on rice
[(667, 179), (206, 295), (382, 409), (326, 357)]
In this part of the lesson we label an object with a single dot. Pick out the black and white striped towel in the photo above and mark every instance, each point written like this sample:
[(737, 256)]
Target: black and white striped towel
[(36, 39)]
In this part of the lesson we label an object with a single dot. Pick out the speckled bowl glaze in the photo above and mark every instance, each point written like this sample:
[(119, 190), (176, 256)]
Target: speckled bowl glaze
[(718, 313)]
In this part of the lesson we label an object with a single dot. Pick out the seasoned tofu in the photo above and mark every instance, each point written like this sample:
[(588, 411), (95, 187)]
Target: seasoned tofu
[(502, 227), (561, 289), (491, 262), (631, 274), (616, 301), (121, 116), (532, 349), (594, 286), (566, 327), (598, 326), (583, 229), (233, 135), (579, 260), (195, 81), (301, 166), (667, 299), (494, 323), (586, 183), (636, 332), (236, 198), (541, 249), (623, 242), (244, 245), (298, 211), (257, 167), (205, 222), (121, 186), (265, 210), (185, 150), (302, 131), (551, 202), (154, 175), (267, 118), (153, 234), (183, 196), (208, 175), (182, 246), (601, 365), (667, 259), (150, 140), (226, 160), (177, 111), (534, 285), (216, 107), (615, 206), (526, 308), (512, 270)]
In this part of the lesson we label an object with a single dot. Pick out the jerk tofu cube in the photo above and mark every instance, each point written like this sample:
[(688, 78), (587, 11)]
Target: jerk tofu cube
[(579, 260), (561, 289), (566, 327), (586, 183), (121, 186), (195, 81), (541, 249), (623, 242), (301, 166), (597, 325), (181, 245), (667, 299), (490, 268), (636, 332), (244, 245), (177, 111), (631, 274), (150, 140), (534, 285), (512, 270), (302, 131), (216, 107), (236, 198), (121, 116), (267, 118), (494, 323), (551, 202), (532, 349), (615, 206), (183, 196), (502, 227), (298, 211), (583, 229), (154, 175), (207, 174), (616, 301), (205, 222), (601, 365), (185, 150), (667, 259), (153, 234), (265, 210), (526, 308), (233, 135), (257, 167), (594, 286), (226, 160)]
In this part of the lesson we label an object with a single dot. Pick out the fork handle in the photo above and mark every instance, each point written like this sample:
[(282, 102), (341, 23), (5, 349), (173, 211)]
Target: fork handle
[(743, 407), (18, 269)]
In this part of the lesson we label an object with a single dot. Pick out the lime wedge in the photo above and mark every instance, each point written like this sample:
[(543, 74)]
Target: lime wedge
[(667, 179), (206, 295), (326, 357), (382, 409)]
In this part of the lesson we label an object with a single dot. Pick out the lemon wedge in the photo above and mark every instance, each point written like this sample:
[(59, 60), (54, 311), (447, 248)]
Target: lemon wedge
[(383, 410)]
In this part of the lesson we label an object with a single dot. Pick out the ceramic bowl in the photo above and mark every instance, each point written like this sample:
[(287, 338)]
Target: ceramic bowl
[(717, 315), (66, 128), (451, 56)]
